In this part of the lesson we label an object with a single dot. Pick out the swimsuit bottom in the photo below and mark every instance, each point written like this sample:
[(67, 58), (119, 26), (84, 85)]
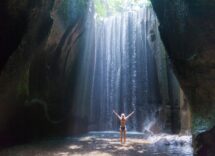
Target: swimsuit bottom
[(122, 128)]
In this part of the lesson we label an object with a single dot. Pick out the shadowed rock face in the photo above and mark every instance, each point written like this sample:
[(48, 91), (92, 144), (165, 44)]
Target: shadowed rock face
[(34, 85), (188, 32), (12, 29), (19, 40)]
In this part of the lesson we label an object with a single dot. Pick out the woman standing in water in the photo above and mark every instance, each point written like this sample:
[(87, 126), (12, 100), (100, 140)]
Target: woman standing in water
[(123, 120)]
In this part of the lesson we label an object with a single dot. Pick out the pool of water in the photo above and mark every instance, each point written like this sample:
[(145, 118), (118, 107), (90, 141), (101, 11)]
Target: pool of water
[(107, 143), (160, 144)]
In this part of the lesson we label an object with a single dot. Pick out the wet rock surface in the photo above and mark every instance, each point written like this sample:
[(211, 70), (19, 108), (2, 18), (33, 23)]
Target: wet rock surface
[(204, 143), (107, 144), (187, 29)]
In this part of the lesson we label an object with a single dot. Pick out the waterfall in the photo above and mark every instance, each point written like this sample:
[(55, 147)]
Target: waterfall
[(118, 71)]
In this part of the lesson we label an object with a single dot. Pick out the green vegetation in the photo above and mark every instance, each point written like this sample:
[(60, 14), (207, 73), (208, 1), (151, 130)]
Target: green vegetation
[(112, 6), (109, 7), (71, 10), (100, 8), (116, 5)]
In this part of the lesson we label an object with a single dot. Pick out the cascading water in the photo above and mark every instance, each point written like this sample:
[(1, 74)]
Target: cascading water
[(118, 71)]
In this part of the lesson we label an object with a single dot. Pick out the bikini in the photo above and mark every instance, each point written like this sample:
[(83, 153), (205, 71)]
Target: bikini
[(123, 128)]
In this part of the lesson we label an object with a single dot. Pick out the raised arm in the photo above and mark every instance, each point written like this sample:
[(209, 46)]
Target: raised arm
[(116, 114), (129, 115)]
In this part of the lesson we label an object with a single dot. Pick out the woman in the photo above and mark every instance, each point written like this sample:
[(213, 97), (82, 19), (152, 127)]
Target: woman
[(123, 120)]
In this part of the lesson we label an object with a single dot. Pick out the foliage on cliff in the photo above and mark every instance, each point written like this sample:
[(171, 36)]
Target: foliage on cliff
[(71, 10)]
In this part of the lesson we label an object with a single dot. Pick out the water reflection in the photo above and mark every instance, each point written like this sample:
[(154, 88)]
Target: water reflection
[(107, 144), (162, 144)]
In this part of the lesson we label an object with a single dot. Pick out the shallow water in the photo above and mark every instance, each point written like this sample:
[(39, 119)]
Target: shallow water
[(107, 144)]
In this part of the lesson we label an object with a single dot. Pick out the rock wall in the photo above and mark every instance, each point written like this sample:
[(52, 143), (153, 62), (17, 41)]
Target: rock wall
[(40, 40), (187, 28)]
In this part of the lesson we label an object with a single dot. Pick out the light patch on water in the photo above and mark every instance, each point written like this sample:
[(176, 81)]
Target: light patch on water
[(173, 143), (141, 151), (74, 147), (86, 138), (62, 154), (93, 153), (126, 148), (94, 145), (170, 138)]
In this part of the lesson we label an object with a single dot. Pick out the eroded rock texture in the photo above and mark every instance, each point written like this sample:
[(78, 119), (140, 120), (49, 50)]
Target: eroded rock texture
[(39, 41), (188, 32)]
